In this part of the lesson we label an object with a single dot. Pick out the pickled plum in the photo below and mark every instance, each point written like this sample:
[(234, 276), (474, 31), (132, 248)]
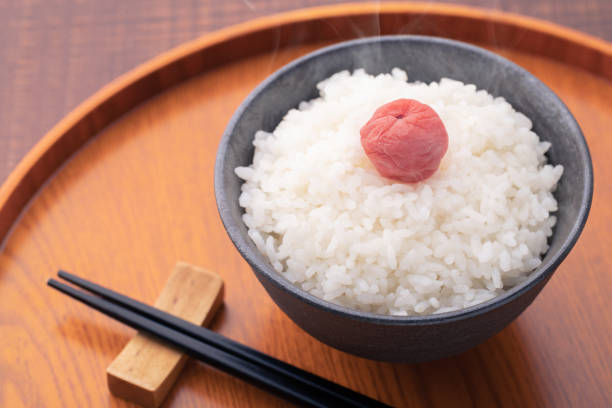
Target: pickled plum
[(405, 140)]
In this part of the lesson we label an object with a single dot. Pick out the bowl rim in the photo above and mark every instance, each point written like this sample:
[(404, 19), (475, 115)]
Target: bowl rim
[(258, 264)]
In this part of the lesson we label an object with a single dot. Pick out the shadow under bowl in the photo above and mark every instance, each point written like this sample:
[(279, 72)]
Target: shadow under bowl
[(425, 59)]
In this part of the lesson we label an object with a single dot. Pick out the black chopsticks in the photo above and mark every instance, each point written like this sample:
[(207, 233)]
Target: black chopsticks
[(212, 348)]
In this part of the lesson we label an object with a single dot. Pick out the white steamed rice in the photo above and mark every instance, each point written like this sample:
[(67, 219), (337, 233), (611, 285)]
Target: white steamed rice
[(329, 223)]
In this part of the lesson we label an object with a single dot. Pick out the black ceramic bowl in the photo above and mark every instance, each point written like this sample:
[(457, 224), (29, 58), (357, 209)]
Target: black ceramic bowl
[(425, 59)]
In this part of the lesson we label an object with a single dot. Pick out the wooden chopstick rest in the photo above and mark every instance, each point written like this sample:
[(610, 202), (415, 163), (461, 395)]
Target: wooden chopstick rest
[(145, 369)]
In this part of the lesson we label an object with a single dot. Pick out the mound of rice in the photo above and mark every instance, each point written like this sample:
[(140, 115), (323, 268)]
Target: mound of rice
[(329, 223)]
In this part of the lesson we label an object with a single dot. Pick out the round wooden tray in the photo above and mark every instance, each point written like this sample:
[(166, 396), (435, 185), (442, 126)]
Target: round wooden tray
[(122, 188)]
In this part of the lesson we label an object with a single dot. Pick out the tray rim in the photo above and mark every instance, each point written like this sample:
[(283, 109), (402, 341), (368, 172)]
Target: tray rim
[(43, 161)]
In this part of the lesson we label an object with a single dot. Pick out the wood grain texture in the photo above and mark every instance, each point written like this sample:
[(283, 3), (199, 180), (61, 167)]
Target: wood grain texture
[(56, 53), (139, 196), (145, 370)]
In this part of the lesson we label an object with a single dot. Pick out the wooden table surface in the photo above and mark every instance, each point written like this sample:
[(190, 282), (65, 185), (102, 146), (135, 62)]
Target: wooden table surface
[(54, 54)]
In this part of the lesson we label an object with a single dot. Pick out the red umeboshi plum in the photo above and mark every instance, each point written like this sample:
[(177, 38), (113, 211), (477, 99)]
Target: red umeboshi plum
[(405, 140)]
